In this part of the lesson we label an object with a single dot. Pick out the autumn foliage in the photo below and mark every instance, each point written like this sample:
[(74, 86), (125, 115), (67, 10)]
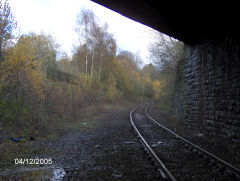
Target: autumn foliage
[(39, 84)]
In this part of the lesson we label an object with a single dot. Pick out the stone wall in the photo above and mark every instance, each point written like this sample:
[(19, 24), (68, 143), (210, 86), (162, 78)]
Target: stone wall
[(212, 88)]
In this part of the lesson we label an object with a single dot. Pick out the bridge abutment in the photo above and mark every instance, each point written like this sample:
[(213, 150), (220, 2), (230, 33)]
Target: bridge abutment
[(211, 95)]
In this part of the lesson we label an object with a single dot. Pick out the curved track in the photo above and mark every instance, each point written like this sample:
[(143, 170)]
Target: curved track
[(178, 142), (148, 148)]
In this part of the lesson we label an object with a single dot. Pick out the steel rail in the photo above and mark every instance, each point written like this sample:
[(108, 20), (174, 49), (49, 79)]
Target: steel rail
[(217, 159), (165, 170)]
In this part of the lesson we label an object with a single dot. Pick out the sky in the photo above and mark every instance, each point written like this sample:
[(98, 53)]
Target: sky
[(58, 18)]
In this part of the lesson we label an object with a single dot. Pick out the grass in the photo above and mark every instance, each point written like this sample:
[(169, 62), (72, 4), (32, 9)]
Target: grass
[(89, 117)]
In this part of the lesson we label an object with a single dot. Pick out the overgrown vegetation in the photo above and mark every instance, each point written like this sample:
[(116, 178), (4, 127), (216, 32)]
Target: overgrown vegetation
[(40, 85), (44, 92), (166, 54)]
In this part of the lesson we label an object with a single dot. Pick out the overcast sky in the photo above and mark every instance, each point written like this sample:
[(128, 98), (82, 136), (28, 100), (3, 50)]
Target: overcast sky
[(58, 17)]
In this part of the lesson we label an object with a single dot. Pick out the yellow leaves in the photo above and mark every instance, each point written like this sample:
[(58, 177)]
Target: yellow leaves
[(36, 83), (117, 70), (20, 68), (112, 92), (153, 88), (157, 84), (157, 89), (146, 79)]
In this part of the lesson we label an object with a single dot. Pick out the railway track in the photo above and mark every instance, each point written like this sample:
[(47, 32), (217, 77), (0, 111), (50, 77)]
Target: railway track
[(176, 157)]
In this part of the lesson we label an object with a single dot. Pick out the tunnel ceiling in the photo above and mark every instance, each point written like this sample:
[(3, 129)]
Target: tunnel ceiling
[(191, 23)]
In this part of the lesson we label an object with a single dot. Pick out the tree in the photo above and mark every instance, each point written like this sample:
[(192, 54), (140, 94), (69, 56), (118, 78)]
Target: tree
[(7, 25), (112, 92), (21, 77), (78, 59), (64, 63), (21, 68), (98, 46), (106, 46), (85, 25), (45, 50), (165, 52), (157, 89), (151, 70)]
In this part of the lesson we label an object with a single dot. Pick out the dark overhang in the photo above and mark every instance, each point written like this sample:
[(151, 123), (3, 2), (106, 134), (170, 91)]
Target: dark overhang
[(191, 23)]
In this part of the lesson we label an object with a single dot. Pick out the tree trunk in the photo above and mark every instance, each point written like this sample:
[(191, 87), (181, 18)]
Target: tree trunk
[(100, 67), (86, 60), (92, 60), (1, 56)]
